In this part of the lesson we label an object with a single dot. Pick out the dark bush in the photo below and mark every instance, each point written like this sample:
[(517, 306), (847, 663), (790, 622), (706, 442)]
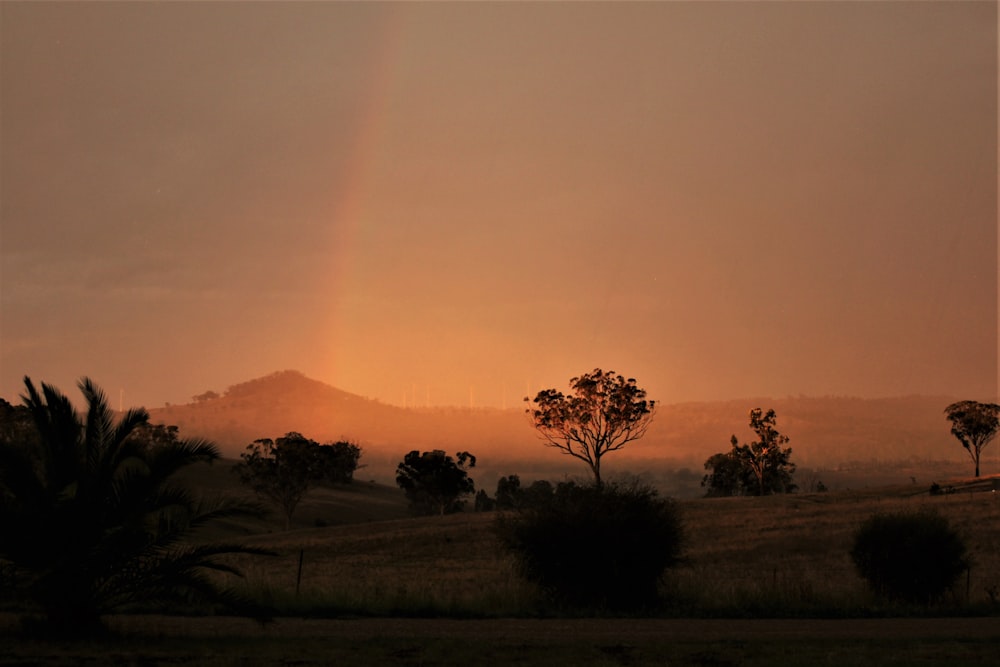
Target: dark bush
[(909, 557), (600, 547)]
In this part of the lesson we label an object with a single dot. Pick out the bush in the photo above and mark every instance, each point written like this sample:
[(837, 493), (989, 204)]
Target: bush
[(604, 547), (909, 557)]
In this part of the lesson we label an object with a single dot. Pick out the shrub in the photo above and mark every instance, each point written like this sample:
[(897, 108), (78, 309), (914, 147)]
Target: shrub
[(909, 557), (596, 546)]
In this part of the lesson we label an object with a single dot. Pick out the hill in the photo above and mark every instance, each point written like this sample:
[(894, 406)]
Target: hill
[(826, 433)]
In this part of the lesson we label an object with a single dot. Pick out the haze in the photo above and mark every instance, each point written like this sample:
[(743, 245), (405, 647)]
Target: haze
[(445, 203)]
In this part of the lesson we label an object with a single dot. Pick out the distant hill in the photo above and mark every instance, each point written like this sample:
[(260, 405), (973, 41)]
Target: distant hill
[(826, 433)]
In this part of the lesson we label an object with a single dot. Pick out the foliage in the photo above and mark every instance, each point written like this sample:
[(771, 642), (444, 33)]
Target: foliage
[(974, 424), (910, 557), (338, 462), (511, 495), (597, 546), (508, 493), (283, 470), (483, 502), (538, 492), (92, 523), (435, 483), (604, 413), (760, 468), (728, 476)]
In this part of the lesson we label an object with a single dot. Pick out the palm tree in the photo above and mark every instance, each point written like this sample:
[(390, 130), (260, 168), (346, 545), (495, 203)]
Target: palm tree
[(91, 522)]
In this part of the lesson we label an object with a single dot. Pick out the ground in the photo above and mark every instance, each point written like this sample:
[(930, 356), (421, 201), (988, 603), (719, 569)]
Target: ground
[(159, 640)]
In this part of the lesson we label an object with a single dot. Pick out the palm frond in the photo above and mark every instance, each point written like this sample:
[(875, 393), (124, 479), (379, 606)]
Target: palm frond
[(92, 519), (167, 460), (59, 429)]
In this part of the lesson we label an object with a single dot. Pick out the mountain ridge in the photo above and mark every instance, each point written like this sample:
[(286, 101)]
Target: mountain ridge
[(824, 432)]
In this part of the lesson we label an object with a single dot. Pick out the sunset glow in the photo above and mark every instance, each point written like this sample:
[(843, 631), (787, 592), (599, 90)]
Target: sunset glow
[(456, 203)]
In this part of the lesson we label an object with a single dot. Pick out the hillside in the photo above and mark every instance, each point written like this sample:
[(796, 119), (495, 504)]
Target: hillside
[(780, 555), (826, 433)]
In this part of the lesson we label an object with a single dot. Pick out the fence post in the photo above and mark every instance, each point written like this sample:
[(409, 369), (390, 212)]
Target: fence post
[(298, 577)]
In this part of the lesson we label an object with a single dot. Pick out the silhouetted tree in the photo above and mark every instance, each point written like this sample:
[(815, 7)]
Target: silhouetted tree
[(760, 467), (604, 413), (483, 501), (92, 522), (338, 461), (537, 493), (435, 483), (974, 424), (508, 495), (282, 471), (728, 476)]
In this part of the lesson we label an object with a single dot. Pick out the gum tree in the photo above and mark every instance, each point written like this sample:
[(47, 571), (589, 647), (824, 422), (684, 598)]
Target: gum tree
[(603, 413), (435, 483), (760, 467), (974, 424)]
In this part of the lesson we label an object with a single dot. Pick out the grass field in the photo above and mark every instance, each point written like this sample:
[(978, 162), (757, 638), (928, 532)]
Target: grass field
[(380, 589), (779, 556)]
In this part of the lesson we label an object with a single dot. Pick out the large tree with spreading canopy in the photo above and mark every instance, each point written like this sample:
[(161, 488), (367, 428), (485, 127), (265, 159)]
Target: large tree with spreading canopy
[(974, 424), (603, 413)]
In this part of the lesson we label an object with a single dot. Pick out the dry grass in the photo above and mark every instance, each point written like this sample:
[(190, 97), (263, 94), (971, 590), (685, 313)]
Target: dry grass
[(775, 556), (792, 552)]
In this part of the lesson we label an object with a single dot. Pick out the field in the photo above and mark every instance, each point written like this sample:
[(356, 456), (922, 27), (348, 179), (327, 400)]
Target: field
[(784, 556), (765, 581)]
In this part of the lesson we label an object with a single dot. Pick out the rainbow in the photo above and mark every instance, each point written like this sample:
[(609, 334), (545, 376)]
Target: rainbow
[(352, 194)]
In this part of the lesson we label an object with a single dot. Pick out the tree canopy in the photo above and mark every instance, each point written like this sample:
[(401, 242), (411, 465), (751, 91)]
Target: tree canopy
[(282, 471), (602, 414), (761, 467), (434, 482), (974, 424)]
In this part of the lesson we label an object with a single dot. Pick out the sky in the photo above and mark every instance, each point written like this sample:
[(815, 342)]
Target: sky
[(464, 203)]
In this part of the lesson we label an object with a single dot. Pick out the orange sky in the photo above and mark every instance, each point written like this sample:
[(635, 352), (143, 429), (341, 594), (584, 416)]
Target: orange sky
[(427, 201)]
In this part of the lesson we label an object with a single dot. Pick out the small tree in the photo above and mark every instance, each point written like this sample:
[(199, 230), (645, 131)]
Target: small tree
[(538, 492), (727, 476), (760, 468), (435, 483), (603, 414), (338, 462), (483, 501), (974, 424), (282, 471), (910, 557), (509, 492)]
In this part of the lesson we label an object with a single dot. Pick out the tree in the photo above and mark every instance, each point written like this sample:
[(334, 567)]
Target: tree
[(338, 462), (508, 495), (92, 521), (483, 501), (761, 467), (538, 493), (974, 424), (435, 483), (282, 471), (728, 476), (207, 396), (604, 413)]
